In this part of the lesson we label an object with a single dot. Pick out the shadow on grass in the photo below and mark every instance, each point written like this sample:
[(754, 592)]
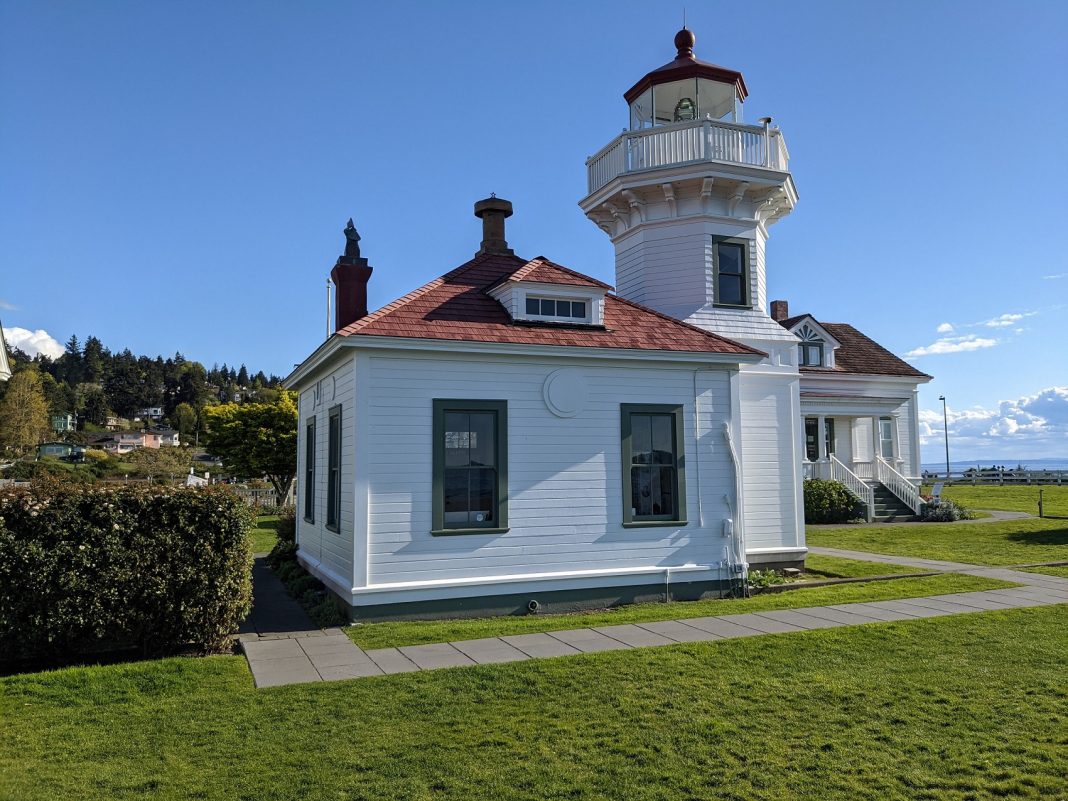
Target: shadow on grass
[(1056, 536)]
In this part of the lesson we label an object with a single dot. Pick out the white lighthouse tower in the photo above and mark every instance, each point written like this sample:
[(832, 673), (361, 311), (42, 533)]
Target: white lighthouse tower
[(687, 194)]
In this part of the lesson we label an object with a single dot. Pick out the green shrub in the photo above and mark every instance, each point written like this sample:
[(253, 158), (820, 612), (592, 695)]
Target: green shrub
[(830, 502), (281, 553), (287, 524), (300, 583), (945, 511), (766, 578), (85, 569)]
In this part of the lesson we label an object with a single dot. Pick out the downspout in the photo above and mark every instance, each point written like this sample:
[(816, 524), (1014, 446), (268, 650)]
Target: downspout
[(738, 534)]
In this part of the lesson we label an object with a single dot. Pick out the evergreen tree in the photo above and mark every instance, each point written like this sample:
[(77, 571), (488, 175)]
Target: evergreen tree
[(242, 377)]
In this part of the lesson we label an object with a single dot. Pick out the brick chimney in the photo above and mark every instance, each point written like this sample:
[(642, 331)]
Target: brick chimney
[(350, 276), (493, 211), (780, 310)]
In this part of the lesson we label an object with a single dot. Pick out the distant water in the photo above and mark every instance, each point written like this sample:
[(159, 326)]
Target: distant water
[(1030, 464)]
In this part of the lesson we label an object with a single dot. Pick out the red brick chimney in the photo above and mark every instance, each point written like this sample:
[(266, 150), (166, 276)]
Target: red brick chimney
[(780, 310), (350, 276)]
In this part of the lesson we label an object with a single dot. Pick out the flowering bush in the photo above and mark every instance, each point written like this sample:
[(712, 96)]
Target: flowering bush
[(943, 511), (85, 569)]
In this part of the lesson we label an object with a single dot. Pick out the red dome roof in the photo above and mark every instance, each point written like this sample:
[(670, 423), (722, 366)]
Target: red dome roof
[(685, 66)]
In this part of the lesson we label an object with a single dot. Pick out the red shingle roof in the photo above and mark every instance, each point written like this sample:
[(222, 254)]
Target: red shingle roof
[(858, 353), (456, 307), (543, 271)]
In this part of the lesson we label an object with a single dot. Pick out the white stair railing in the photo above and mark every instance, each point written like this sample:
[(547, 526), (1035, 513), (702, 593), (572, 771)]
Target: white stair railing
[(855, 484), (898, 484)]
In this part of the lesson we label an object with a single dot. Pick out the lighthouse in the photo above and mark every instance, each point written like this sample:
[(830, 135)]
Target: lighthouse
[(687, 195)]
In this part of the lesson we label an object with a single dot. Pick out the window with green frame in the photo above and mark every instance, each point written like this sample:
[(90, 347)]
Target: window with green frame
[(470, 493), (730, 266), (654, 479), (309, 470), (333, 471)]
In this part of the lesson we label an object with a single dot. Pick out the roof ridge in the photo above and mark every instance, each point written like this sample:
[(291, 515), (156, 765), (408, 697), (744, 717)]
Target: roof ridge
[(404, 300), (669, 318), (546, 260)]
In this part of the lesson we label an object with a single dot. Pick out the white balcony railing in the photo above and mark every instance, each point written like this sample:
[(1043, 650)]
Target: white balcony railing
[(685, 143)]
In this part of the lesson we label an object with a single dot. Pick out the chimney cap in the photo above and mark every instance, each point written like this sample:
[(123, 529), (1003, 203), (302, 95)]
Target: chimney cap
[(495, 204)]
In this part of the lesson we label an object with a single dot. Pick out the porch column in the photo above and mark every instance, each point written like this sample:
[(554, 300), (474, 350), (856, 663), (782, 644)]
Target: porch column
[(821, 437), (876, 450)]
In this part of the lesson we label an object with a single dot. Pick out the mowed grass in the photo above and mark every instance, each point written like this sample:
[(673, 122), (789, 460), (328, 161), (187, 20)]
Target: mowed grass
[(1012, 542), (970, 706), (419, 632), (1010, 498), (264, 533), (820, 566), (1060, 572)]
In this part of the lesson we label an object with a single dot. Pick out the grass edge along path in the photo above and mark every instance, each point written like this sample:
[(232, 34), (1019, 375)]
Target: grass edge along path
[(1003, 543), (418, 632), (966, 706)]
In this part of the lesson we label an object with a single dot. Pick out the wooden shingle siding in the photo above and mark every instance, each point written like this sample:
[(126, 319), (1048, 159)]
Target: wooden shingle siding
[(317, 542), (565, 499)]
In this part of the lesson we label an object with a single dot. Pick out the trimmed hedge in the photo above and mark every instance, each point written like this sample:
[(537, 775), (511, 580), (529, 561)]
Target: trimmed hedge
[(830, 502), (85, 569)]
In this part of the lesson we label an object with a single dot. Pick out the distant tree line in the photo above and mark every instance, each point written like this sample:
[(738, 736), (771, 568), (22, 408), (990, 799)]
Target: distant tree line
[(92, 383)]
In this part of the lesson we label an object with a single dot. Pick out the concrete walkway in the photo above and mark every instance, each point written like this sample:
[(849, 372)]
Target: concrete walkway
[(313, 655)]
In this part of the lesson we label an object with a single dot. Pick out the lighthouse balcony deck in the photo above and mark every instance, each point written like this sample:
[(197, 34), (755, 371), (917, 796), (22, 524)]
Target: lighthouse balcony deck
[(687, 143)]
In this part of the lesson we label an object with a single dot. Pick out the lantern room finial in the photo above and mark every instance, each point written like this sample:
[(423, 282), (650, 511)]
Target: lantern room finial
[(684, 42)]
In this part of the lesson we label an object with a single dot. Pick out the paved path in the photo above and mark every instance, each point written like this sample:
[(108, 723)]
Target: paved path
[(294, 657)]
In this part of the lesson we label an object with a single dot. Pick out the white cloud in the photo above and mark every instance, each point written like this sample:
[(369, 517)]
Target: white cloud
[(1055, 277), (7, 306), (1005, 320), (1034, 426), (945, 328), (952, 345), (33, 342)]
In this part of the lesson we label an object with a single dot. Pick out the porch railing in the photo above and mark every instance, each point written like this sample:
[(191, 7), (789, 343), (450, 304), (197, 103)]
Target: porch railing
[(898, 484), (855, 484)]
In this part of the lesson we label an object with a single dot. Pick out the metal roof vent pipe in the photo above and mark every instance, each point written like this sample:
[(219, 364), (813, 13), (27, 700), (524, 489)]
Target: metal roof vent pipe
[(493, 211)]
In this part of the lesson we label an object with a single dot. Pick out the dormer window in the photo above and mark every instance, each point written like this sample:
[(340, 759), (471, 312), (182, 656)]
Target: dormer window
[(810, 351), (557, 309)]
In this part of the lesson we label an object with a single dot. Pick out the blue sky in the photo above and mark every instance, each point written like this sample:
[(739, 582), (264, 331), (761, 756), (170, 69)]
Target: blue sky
[(176, 176)]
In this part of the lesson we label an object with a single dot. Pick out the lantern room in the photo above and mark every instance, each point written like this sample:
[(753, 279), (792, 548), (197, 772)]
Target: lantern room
[(686, 90)]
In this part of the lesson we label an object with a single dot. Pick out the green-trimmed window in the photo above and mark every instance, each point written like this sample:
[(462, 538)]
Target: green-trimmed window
[(333, 470), (654, 480), (730, 264), (470, 467), (309, 470)]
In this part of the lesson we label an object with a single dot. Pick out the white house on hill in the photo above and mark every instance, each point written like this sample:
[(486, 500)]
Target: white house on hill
[(513, 435)]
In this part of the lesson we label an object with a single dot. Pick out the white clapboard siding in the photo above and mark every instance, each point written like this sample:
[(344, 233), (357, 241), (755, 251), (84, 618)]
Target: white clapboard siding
[(565, 476), (318, 543), (770, 468)]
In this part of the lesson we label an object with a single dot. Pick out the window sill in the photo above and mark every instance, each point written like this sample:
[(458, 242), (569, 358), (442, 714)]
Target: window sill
[(335, 529), (743, 306), (309, 520), (444, 532), (654, 523)]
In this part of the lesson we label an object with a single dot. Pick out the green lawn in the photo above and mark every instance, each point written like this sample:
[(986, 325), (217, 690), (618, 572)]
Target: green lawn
[(264, 535), (1060, 572), (821, 566), (1013, 542), (1010, 498), (383, 635), (971, 706)]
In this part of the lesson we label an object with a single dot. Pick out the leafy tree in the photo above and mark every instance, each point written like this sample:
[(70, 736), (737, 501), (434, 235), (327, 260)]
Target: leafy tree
[(24, 420), (256, 439), (93, 404), (167, 460), (184, 419)]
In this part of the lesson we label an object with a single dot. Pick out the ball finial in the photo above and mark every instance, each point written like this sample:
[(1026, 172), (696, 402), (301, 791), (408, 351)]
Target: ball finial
[(684, 42)]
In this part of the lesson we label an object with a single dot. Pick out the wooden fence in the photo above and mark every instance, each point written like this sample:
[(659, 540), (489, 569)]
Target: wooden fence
[(1008, 477)]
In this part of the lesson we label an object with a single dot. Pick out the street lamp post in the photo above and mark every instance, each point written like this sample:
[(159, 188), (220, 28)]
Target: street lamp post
[(945, 428)]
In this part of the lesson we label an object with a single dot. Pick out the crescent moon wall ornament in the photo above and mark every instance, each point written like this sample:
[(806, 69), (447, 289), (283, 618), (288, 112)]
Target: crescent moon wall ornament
[(565, 392)]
